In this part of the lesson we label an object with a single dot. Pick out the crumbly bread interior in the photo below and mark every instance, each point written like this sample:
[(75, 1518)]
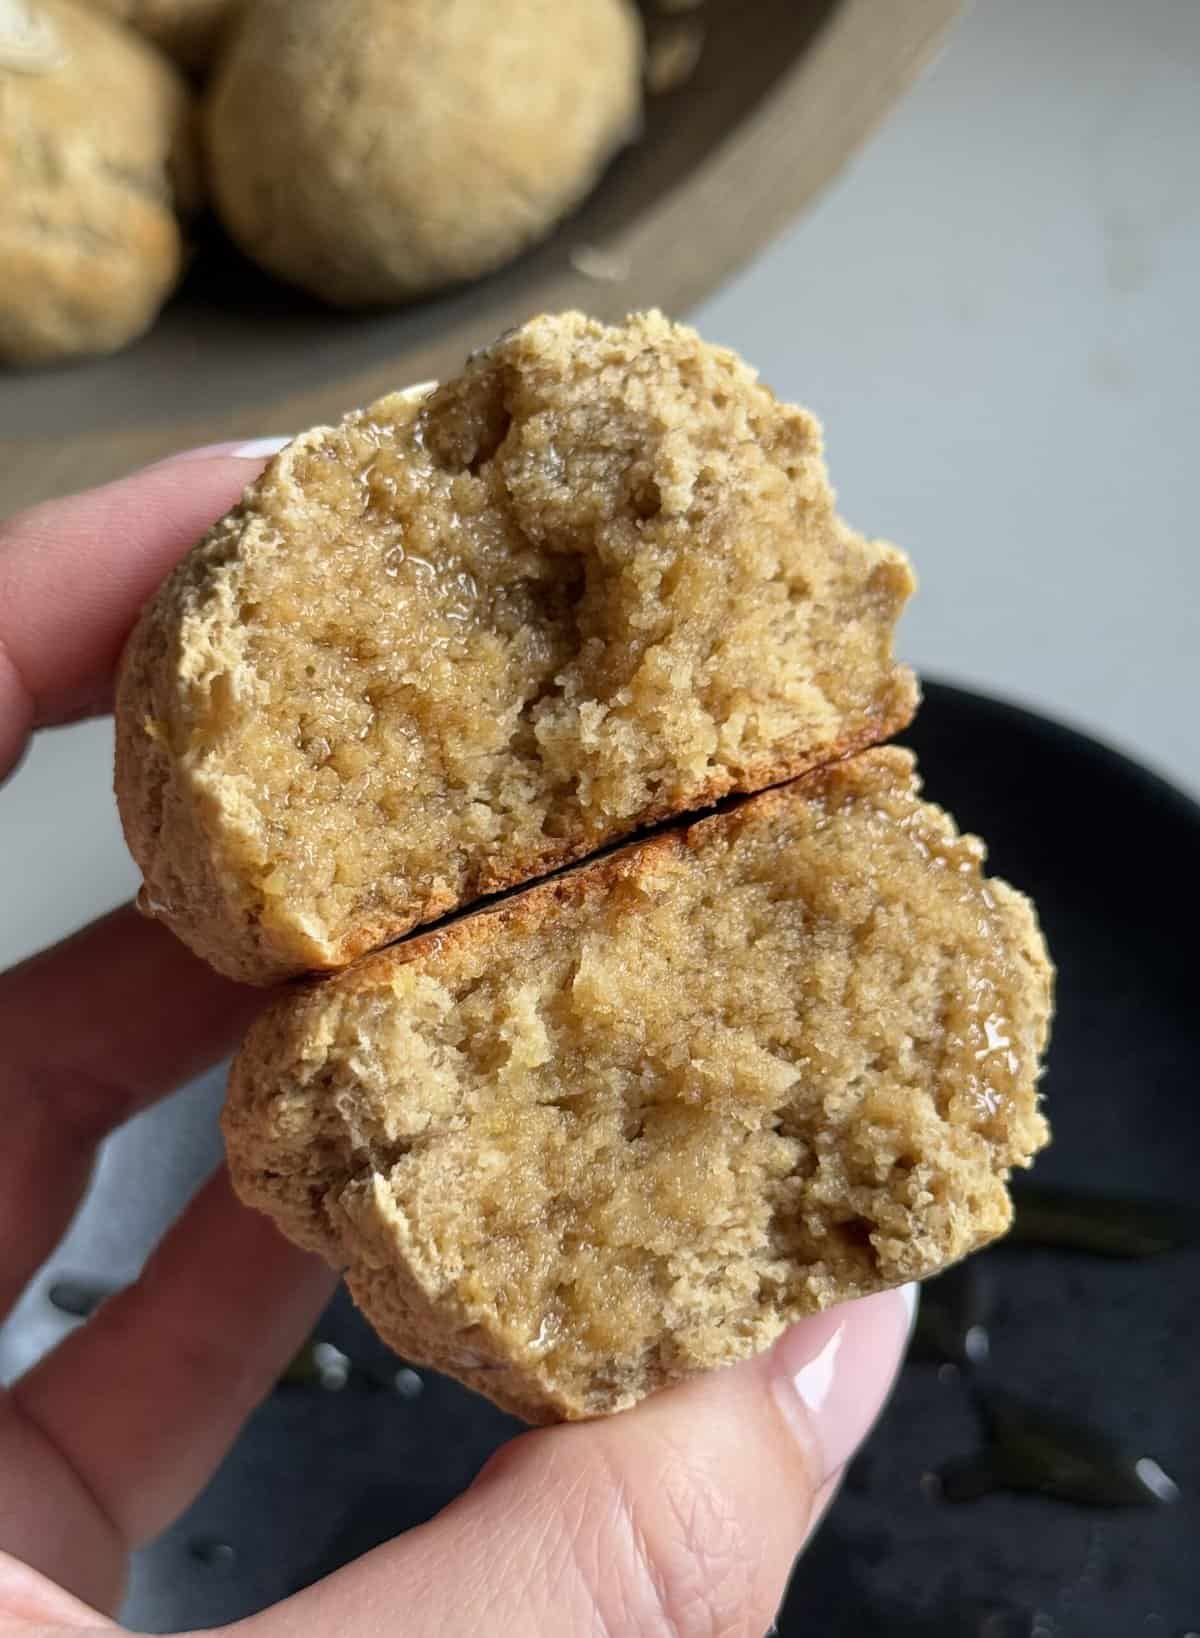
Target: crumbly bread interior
[(189, 30), (632, 1122), (449, 645)]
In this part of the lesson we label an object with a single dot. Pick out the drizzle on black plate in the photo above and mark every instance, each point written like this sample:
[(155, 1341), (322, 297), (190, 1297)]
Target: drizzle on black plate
[(1037, 1473)]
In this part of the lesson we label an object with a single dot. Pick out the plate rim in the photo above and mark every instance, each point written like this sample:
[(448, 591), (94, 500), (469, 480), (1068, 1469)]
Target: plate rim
[(1108, 758)]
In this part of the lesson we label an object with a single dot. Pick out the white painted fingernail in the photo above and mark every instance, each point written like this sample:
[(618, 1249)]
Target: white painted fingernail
[(257, 449), (912, 1297), (254, 449), (831, 1373)]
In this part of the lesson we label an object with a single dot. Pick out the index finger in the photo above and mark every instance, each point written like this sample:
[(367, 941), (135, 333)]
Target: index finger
[(94, 1030), (75, 572)]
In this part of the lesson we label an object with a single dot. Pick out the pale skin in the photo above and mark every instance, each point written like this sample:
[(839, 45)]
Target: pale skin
[(679, 1518)]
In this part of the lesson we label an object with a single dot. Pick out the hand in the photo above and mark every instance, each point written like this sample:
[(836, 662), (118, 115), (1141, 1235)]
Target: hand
[(680, 1517)]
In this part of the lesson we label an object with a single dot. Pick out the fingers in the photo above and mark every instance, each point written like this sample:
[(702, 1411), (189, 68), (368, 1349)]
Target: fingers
[(39, 1607), (48, 1521), (680, 1518), (94, 1029), (74, 572), (142, 1402), (115, 1017)]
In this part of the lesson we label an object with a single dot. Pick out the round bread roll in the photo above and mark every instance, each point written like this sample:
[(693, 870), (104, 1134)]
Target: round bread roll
[(460, 640), (631, 1123), (374, 149), (192, 31), (96, 150)]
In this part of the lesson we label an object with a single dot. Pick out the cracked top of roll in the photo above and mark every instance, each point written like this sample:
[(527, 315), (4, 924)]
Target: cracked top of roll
[(465, 637)]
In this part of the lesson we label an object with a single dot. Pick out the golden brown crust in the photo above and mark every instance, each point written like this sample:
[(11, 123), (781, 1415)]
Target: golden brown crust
[(96, 155), (682, 617), (918, 1152), (175, 823), (376, 149)]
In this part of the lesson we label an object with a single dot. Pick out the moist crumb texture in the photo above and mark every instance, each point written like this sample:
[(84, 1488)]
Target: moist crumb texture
[(632, 1122), (459, 640)]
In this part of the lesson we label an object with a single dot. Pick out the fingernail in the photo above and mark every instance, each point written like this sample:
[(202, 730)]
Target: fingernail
[(831, 1374), (258, 449), (253, 449), (911, 1294)]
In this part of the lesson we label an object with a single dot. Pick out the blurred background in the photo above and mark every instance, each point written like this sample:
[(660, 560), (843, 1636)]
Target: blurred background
[(984, 283)]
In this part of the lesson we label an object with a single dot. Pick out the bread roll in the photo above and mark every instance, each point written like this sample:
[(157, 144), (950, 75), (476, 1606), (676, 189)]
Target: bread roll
[(634, 1121), (372, 150), (452, 644), (96, 159), (191, 31)]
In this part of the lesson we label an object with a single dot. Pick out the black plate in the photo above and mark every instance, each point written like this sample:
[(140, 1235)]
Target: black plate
[(1112, 856)]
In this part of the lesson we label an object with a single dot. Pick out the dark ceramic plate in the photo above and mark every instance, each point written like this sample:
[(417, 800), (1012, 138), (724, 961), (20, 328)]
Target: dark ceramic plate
[(1089, 1360)]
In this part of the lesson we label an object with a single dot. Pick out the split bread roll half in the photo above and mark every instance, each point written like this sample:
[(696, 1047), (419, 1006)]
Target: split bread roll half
[(463, 639), (630, 1123)]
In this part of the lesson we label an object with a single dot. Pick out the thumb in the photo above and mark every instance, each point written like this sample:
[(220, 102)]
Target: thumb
[(680, 1517)]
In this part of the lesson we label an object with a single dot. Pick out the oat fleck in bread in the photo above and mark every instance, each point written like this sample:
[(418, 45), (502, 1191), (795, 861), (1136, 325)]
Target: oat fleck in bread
[(96, 156), (374, 149), (634, 1121), (451, 644)]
